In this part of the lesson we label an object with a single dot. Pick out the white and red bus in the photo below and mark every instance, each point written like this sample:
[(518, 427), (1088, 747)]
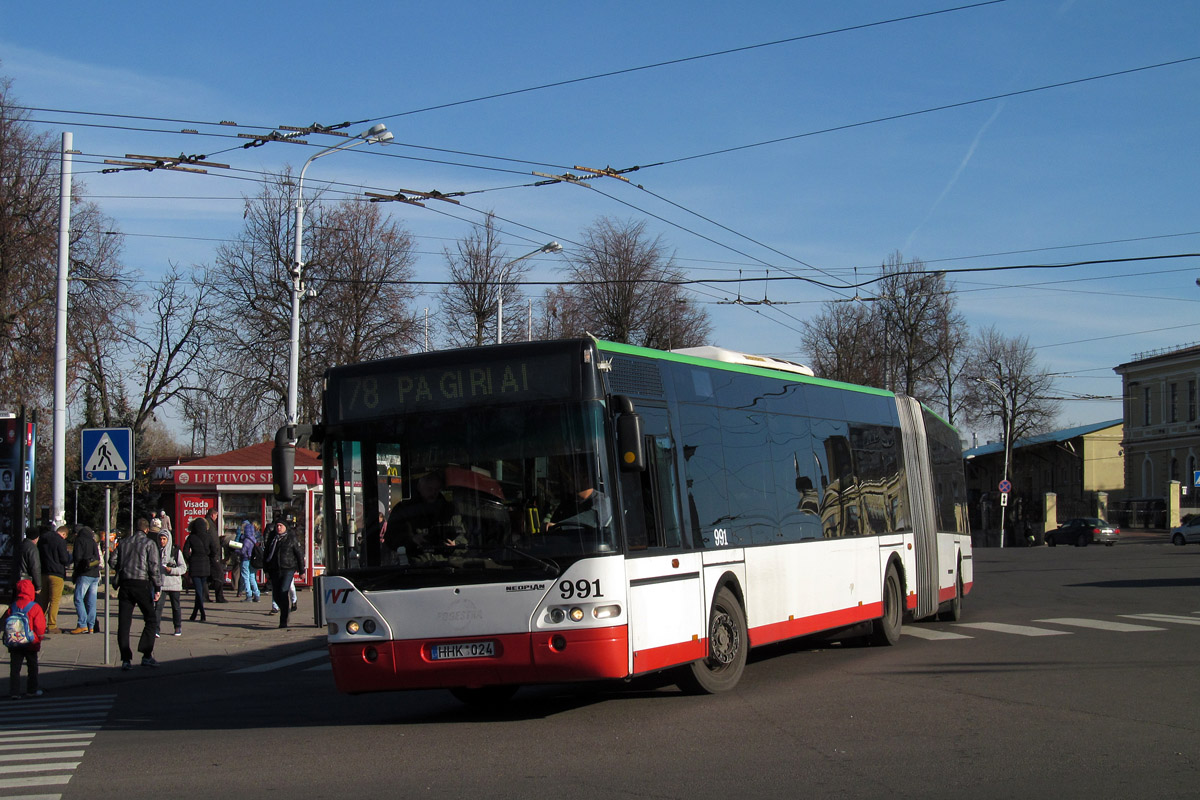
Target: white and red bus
[(578, 510)]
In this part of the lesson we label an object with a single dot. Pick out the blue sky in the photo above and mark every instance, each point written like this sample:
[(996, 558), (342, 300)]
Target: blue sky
[(1099, 169)]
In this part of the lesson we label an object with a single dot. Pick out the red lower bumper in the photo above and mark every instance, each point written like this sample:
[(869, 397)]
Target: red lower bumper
[(581, 655)]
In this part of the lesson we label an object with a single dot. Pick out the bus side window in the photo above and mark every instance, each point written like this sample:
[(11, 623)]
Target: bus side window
[(652, 500)]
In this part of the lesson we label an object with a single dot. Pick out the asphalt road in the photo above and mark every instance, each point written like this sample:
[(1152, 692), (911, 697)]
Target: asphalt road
[(1072, 674)]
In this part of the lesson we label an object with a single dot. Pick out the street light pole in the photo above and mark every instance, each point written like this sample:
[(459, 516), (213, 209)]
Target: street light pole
[(549, 247), (1005, 412), (375, 134)]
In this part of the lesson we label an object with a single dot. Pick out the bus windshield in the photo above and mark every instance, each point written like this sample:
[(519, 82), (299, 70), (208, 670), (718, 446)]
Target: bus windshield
[(474, 490)]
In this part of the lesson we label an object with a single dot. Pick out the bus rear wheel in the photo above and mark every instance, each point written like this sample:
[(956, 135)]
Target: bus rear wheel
[(886, 629), (952, 611), (484, 697), (728, 643)]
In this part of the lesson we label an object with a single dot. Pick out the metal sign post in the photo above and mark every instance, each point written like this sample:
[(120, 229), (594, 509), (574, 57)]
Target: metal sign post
[(106, 456)]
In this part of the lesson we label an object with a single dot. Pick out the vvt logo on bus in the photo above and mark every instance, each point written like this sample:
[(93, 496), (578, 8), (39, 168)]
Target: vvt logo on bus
[(337, 595)]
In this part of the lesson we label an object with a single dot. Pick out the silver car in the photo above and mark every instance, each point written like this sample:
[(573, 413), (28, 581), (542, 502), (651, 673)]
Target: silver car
[(1187, 533)]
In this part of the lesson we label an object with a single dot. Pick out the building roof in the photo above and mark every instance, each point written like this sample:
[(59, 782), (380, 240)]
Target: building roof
[(1045, 438), (1167, 353), (256, 455)]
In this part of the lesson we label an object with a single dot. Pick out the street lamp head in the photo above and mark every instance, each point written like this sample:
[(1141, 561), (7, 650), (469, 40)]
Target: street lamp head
[(376, 133), (552, 247)]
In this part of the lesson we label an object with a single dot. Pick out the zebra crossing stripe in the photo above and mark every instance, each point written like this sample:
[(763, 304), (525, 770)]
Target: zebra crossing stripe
[(1100, 625), (55, 754), (1164, 618), (311, 655), (1016, 630), (931, 634)]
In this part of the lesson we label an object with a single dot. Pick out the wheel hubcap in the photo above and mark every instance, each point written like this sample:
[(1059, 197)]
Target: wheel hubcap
[(723, 642)]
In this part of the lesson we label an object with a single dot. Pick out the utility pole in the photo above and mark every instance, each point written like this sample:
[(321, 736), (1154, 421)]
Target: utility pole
[(58, 493)]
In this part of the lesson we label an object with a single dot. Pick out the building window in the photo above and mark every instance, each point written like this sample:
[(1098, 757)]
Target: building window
[(1191, 400), (1146, 418), (1174, 407)]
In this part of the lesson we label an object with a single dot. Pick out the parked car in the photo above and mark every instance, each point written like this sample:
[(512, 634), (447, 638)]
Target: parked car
[(1083, 531), (1187, 533)]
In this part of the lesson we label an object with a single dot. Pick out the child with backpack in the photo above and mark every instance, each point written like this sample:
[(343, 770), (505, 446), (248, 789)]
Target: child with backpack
[(24, 625)]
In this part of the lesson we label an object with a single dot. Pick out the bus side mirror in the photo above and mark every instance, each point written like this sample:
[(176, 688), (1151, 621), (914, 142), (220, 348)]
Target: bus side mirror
[(630, 444)]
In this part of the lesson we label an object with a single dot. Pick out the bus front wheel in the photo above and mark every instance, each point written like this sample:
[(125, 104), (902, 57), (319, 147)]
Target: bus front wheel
[(886, 629), (728, 643)]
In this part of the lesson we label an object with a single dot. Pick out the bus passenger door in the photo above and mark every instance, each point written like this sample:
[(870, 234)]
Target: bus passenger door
[(667, 616)]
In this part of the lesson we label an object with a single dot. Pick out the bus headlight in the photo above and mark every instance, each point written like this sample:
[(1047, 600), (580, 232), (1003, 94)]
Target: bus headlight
[(606, 612), (368, 625), (557, 615), (352, 627), (576, 614)]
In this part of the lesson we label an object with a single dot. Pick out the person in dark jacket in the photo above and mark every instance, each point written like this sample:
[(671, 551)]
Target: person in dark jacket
[(86, 575), (217, 569), (27, 655), (138, 567), (199, 551), (52, 550), (26, 561), (284, 557)]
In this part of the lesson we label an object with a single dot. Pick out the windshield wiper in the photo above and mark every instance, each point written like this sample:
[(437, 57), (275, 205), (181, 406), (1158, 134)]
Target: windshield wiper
[(549, 564)]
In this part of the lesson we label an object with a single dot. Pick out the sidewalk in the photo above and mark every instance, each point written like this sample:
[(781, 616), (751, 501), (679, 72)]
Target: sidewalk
[(236, 633)]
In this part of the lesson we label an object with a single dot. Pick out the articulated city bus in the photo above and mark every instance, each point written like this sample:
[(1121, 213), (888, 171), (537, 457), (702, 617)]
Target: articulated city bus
[(577, 510)]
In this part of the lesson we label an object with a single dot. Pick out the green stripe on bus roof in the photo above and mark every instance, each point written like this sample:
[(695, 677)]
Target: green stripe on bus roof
[(765, 372)]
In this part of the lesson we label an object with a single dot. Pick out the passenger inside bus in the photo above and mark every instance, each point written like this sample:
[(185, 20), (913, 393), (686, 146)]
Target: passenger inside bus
[(427, 525)]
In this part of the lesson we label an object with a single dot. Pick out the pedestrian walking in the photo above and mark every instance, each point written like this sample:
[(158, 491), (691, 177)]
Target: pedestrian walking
[(284, 557), (217, 570), (174, 566), (138, 569), (197, 550), (251, 554), (52, 550), (24, 625), (86, 563), (26, 561)]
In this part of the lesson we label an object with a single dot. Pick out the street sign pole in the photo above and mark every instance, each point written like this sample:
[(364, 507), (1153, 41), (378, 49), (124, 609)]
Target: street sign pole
[(107, 556)]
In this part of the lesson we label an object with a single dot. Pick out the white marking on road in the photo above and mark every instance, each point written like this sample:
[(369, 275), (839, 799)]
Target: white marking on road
[(60, 766), (1164, 618), (931, 634), (1100, 625), (312, 655), (1016, 630), (34, 780), (56, 754)]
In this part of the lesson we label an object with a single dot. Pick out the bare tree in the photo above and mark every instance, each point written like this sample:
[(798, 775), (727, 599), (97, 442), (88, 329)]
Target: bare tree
[(357, 268), (917, 313), (624, 286), (478, 279), (841, 343), (29, 180), (1009, 387)]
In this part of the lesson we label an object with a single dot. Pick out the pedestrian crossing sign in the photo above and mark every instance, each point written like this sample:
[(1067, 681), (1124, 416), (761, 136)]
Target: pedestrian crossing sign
[(106, 455)]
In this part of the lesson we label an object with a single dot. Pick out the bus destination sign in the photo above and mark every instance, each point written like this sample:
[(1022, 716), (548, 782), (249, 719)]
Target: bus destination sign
[(378, 393)]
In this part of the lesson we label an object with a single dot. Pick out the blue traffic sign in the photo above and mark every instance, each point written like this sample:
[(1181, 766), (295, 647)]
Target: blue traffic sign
[(1196, 478), (106, 455), (1005, 486)]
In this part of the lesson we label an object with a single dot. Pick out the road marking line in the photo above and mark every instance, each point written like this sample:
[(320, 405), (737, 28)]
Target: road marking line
[(1100, 625), (931, 634), (35, 780), (26, 756), (1016, 630), (64, 765), (312, 655), (1164, 618)]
